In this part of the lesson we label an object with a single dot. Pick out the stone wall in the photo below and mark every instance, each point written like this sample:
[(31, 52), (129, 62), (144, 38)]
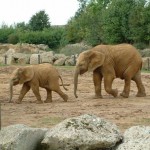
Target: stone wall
[(33, 54)]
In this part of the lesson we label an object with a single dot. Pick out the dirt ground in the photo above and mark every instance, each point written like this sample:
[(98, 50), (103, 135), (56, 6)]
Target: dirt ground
[(125, 112)]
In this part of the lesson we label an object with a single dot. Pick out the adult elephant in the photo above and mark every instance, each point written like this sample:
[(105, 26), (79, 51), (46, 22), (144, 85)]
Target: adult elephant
[(35, 76), (110, 62)]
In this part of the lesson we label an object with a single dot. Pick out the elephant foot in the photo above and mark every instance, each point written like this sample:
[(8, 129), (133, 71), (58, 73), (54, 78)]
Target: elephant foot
[(115, 93), (48, 101), (39, 102), (123, 94), (17, 102), (65, 98), (97, 96), (141, 94)]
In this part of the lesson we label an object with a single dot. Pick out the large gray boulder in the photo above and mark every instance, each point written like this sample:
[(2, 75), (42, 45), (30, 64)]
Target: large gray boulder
[(17, 58), (59, 56), (60, 62), (21, 137), (71, 61), (2, 60), (47, 57), (10, 52), (136, 138), (86, 132), (35, 59), (43, 47), (21, 58), (146, 63)]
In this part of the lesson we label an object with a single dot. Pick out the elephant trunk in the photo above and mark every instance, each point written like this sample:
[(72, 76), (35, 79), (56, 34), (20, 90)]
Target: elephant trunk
[(76, 81), (11, 91)]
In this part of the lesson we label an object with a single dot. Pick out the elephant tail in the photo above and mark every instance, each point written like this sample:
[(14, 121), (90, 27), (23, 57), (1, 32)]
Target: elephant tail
[(63, 83)]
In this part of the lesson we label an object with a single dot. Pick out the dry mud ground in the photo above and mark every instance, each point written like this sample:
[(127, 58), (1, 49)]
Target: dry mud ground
[(125, 112)]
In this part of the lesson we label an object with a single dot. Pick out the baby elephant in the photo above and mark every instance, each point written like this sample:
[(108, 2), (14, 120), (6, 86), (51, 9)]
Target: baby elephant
[(35, 76)]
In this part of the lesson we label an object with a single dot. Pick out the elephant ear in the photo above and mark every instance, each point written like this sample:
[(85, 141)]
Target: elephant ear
[(25, 74), (96, 60)]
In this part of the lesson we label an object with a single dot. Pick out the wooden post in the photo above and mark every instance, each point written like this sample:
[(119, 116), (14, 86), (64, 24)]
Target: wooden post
[(5, 59), (39, 58), (0, 117), (148, 64), (74, 59)]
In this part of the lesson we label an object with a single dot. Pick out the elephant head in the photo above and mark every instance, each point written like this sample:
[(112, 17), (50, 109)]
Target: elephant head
[(20, 76), (87, 61)]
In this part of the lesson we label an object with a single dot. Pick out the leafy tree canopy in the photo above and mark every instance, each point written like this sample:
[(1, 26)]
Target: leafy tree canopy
[(39, 21)]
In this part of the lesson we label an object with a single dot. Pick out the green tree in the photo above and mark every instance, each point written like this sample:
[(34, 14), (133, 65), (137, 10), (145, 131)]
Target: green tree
[(87, 23), (115, 21), (147, 22), (4, 33), (39, 21), (137, 22), (22, 26)]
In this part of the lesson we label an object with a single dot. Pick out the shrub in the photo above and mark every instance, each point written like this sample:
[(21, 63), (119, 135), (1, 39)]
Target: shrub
[(13, 39)]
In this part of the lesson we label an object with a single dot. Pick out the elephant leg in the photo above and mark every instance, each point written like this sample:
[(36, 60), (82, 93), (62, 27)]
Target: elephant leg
[(56, 88), (126, 89), (63, 95), (108, 85), (24, 90), (97, 79), (49, 96), (138, 81), (35, 90)]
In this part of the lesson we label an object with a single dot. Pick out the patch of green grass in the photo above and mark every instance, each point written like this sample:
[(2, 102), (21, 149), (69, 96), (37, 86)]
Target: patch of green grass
[(50, 120), (146, 71), (3, 65), (66, 67), (143, 121)]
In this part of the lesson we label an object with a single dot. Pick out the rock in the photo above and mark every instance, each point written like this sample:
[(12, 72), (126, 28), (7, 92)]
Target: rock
[(85, 132), (16, 58), (60, 61), (71, 61), (34, 59), (146, 63), (9, 60), (21, 137), (145, 52), (58, 56), (43, 47), (10, 52), (136, 138), (2, 60), (47, 57), (21, 58)]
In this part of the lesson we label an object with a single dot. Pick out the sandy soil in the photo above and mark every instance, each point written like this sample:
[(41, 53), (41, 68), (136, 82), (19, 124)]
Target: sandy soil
[(125, 112)]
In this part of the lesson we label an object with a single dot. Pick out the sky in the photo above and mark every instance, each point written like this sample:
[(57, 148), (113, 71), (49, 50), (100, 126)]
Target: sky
[(16, 11)]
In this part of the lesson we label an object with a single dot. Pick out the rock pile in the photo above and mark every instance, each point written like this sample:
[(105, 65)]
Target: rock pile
[(85, 132), (33, 54)]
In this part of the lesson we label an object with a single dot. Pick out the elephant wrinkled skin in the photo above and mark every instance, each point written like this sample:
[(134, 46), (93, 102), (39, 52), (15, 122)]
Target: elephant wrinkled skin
[(35, 76), (110, 62)]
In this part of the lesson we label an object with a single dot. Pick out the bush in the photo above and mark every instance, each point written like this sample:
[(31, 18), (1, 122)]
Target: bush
[(13, 39), (140, 45), (4, 33)]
